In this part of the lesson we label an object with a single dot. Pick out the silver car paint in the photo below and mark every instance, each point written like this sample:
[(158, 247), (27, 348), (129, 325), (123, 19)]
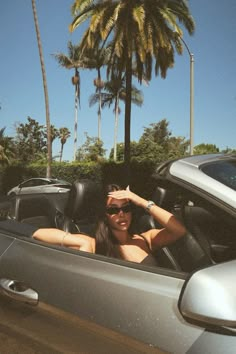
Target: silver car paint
[(188, 170), (5, 243), (139, 304), (134, 302), (58, 187), (210, 295)]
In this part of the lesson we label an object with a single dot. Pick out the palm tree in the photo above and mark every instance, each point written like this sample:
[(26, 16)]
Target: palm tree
[(96, 59), (54, 133), (64, 134), (73, 60), (79, 5), (114, 92), (6, 148), (140, 30), (48, 125)]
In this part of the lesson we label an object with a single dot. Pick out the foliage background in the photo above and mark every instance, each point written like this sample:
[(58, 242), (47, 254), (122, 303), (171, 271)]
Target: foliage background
[(103, 172)]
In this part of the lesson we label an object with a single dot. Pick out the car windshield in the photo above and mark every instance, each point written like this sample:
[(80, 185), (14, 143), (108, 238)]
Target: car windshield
[(222, 171)]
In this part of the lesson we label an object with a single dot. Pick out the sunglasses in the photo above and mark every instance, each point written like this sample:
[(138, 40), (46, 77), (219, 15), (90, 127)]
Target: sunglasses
[(115, 210)]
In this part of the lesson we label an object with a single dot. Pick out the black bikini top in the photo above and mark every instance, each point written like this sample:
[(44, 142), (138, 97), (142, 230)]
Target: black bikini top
[(150, 260)]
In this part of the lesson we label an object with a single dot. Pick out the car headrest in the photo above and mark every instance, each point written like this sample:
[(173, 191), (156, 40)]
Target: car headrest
[(159, 195), (163, 197), (84, 200), (33, 206)]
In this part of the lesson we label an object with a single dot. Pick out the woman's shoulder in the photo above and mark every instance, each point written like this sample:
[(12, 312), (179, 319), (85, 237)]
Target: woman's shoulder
[(149, 234), (144, 236)]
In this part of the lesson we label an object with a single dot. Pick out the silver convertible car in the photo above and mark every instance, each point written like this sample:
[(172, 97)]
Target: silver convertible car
[(58, 300)]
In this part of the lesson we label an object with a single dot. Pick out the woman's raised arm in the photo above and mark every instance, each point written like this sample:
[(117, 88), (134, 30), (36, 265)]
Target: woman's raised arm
[(172, 229)]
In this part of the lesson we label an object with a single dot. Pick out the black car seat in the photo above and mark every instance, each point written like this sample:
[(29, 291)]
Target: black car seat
[(37, 211), (187, 253), (144, 222), (80, 214)]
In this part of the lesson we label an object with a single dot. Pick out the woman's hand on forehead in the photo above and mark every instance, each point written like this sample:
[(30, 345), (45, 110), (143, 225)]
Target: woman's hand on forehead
[(112, 201), (127, 194), (121, 194)]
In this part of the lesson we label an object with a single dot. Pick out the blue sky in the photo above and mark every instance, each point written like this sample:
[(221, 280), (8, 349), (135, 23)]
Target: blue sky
[(21, 89)]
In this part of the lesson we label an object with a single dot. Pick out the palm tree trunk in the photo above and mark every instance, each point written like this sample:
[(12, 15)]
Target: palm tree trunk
[(128, 112), (49, 145), (99, 105), (61, 153), (116, 127), (99, 115), (76, 122)]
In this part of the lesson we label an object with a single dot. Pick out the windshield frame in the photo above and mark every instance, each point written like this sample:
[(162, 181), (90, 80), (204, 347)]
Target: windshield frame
[(223, 171)]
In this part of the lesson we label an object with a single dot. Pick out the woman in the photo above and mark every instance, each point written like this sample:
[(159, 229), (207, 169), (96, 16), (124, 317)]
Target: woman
[(114, 236)]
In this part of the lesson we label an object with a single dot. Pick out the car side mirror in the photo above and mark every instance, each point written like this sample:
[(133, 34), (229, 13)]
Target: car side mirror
[(208, 296)]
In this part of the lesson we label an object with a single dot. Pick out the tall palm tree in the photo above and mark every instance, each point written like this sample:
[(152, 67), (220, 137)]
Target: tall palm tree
[(54, 133), (48, 125), (64, 134), (140, 30), (98, 59), (95, 59), (114, 92), (74, 60)]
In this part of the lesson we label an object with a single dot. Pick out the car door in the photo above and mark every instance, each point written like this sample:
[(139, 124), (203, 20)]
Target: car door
[(30, 186), (88, 302), (67, 301)]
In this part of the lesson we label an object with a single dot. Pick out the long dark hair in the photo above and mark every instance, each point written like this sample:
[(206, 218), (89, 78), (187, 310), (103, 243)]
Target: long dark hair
[(106, 242)]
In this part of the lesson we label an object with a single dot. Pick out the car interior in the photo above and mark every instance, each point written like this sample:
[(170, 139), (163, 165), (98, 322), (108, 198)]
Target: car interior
[(186, 254), (37, 211), (81, 210), (211, 231), (209, 239)]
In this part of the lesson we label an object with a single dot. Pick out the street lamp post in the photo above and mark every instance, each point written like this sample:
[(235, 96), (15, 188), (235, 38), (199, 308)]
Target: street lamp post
[(191, 56)]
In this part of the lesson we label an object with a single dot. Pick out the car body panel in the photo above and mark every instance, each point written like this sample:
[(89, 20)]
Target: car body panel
[(103, 293), (44, 329), (6, 241), (52, 331), (40, 185), (111, 303), (190, 173)]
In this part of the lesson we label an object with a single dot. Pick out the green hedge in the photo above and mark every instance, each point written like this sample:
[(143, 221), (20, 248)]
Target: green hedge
[(13, 175), (104, 172)]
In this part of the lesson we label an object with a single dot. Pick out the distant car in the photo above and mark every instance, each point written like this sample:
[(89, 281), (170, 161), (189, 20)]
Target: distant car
[(57, 299), (40, 185)]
